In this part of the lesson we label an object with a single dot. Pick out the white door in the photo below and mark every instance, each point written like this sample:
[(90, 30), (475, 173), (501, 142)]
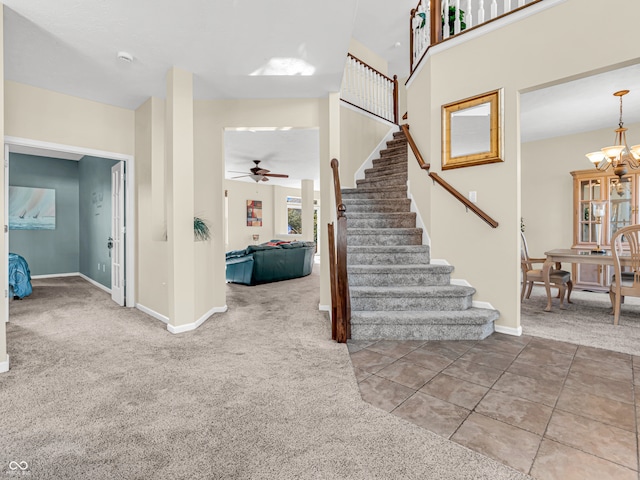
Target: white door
[(117, 233), (5, 272)]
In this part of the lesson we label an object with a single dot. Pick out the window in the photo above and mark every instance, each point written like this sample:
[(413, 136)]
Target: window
[(294, 215)]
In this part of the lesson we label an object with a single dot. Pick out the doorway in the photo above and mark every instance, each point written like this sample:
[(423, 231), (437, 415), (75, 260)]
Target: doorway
[(120, 195)]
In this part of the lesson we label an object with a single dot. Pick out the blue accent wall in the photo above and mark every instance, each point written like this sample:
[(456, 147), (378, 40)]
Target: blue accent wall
[(48, 251), (95, 218)]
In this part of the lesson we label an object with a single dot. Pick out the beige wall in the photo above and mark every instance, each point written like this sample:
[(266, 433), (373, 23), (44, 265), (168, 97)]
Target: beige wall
[(524, 58), (360, 135), (369, 57), (47, 116), (152, 281)]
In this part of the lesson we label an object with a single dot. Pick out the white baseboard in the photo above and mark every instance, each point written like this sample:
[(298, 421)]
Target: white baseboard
[(56, 275), (192, 326), (152, 313), (508, 330), (4, 366), (479, 304), (439, 261), (73, 274), (324, 308), (94, 283)]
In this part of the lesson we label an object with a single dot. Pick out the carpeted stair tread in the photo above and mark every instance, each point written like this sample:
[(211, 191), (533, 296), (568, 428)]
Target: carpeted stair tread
[(429, 268), (471, 316), (383, 180), (374, 191), (382, 231), (373, 249), (412, 291), (384, 171)]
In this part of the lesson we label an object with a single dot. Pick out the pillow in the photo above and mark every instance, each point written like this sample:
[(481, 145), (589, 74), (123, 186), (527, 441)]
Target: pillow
[(257, 248)]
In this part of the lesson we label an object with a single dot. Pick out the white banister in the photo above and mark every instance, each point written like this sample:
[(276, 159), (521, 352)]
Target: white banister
[(466, 15), (445, 19), (368, 89), (457, 24)]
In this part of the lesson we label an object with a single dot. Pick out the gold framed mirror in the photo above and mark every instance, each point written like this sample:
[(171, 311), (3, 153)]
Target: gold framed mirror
[(472, 131)]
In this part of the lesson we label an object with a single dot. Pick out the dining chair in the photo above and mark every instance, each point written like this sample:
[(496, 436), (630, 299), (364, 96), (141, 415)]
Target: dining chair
[(627, 282), (530, 275)]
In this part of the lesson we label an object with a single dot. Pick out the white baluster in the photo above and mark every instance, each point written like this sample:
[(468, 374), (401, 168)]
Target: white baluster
[(468, 18), (494, 9), (520, 3), (445, 18), (457, 27), (507, 6), (481, 12)]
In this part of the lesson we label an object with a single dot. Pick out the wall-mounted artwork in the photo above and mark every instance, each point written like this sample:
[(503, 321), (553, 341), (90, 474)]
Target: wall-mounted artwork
[(254, 213), (32, 208)]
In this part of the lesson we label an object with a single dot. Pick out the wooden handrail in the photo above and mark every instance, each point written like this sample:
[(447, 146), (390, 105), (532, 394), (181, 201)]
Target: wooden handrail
[(440, 181), (341, 302), (414, 148)]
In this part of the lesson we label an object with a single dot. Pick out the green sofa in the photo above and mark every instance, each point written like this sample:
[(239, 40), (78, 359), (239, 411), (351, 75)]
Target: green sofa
[(270, 262)]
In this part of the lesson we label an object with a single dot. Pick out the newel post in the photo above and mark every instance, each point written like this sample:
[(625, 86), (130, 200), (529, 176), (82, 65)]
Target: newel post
[(436, 21)]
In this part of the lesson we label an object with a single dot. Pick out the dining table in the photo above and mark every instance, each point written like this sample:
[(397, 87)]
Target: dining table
[(574, 255)]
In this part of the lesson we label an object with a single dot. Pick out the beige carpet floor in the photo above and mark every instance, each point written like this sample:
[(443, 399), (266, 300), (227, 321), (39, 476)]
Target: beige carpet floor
[(97, 391), (587, 321)]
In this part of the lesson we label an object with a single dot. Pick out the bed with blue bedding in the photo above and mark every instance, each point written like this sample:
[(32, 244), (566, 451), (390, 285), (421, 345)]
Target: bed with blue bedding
[(19, 277)]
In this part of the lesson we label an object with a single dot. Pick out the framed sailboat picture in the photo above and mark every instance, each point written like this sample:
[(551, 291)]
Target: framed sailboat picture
[(32, 208)]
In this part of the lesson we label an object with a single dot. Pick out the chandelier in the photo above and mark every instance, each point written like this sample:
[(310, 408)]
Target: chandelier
[(618, 155)]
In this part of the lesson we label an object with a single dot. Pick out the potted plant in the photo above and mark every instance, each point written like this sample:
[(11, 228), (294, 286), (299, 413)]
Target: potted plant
[(201, 229), (452, 19)]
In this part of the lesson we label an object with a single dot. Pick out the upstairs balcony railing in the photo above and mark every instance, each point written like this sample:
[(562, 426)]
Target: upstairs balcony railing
[(366, 88), (433, 21)]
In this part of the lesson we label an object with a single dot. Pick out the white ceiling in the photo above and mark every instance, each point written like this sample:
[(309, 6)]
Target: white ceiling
[(71, 46)]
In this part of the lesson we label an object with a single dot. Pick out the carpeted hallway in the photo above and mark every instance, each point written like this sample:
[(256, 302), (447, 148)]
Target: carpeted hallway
[(98, 391)]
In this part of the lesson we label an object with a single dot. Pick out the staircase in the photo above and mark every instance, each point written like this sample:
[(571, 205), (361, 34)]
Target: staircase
[(396, 293)]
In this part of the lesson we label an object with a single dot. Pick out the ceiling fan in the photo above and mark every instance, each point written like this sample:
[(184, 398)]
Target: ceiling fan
[(259, 174)]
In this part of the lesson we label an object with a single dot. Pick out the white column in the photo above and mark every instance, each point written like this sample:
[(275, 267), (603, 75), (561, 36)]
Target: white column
[(307, 210), (180, 202)]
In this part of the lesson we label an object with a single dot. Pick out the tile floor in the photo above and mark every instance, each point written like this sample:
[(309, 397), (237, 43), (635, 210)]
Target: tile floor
[(550, 409)]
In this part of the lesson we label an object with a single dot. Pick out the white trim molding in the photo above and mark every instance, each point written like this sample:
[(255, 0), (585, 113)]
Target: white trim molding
[(56, 275), (152, 313), (192, 326), (4, 366), (94, 283), (516, 332), (350, 106)]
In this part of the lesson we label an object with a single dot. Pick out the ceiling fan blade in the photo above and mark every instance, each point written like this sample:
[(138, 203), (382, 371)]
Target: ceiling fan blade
[(241, 176), (279, 175), (262, 171), (236, 171)]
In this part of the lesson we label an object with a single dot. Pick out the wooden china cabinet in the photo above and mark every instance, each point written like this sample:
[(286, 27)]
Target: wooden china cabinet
[(621, 197)]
